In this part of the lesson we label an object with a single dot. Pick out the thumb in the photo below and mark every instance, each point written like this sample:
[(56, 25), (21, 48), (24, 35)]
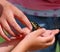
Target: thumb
[(38, 32)]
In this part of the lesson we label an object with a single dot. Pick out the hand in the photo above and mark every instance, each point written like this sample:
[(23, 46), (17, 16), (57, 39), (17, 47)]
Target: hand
[(47, 40), (7, 19), (34, 40), (38, 42)]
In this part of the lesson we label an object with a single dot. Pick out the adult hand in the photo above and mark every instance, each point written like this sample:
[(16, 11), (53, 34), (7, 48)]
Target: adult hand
[(7, 19)]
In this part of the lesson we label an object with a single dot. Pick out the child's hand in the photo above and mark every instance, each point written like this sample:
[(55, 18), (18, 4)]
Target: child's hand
[(34, 41), (47, 40), (49, 31), (7, 19)]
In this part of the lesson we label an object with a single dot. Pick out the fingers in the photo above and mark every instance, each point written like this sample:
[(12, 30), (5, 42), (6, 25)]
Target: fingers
[(21, 17), (51, 42), (47, 33), (50, 36), (38, 32), (54, 32), (12, 22), (3, 35), (47, 44), (7, 28), (46, 39)]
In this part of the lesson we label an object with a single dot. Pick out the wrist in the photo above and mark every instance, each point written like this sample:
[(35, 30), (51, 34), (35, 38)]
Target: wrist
[(21, 47)]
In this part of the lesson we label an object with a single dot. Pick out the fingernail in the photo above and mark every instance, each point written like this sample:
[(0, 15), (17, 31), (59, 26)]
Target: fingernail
[(12, 38), (30, 27)]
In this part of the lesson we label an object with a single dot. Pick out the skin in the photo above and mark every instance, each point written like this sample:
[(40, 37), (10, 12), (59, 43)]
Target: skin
[(10, 9), (32, 38), (8, 22), (19, 45), (1, 10)]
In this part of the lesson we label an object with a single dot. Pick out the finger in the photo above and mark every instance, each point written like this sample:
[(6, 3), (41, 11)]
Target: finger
[(45, 39), (54, 32), (7, 28), (12, 22), (21, 17), (47, 33), (26, 30), (50, 43), (3, 35), (38, 32)]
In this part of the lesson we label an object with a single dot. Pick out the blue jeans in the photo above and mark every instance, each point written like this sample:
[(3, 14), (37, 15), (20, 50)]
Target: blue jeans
[(48, 23)]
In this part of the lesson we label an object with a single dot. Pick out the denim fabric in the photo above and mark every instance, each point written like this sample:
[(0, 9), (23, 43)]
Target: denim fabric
[(48, 23)]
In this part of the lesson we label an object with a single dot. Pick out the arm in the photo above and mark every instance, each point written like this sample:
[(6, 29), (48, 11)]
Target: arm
[(7, 46), (24, 45), (21, 47), (29, 42)]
